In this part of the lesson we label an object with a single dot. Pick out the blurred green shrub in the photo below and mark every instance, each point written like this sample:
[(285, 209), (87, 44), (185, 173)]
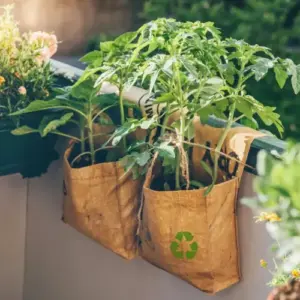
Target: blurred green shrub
[(272, 23)]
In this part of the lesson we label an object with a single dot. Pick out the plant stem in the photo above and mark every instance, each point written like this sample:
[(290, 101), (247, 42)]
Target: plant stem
[(102, 111), (104, 148), (178, 158), (92, 148), (227, 128), (91, 135), (219, 152), (238, 118), (221, 141), (166, 128), (71, 137), (9, 105), (80, 155), (82, 137), (182, 128), (122, 112), (177, 171), (165, 122), (82, 142)]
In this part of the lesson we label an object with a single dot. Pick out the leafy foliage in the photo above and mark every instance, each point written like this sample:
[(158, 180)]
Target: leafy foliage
[(81, 101), (277, 190), (193, 72), (273, 23), (190, 71), (25, 73)]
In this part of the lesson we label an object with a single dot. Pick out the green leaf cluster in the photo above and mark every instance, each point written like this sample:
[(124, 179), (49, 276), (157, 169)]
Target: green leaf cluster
[(278, 191), (189, 70), (272, 23), (79, 105), (20, 68)]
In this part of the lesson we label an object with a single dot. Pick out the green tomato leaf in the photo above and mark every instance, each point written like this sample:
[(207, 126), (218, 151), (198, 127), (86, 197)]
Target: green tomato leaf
[(153, 81), (280, 75), (125, 38), (92, 57), (229, 72), (105, 100), (24, 130), (269, 117), (216, 81), (244, 107), (252, 123), (189, 67), (137, 145), (50, 123), (165, 98), (106, 76), (40, 105), (152, 47), (148, 123), (204, 114), (123, 131), (166, 151), (142, 158), (190, 131), (261, 67), (107, 46), (87, 73), (83, 90)]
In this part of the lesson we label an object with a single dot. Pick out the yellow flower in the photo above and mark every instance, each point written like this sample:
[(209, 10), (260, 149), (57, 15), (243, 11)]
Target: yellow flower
[(295, 273), (268, 217), (2, 80), (274, 218), (263, 263)]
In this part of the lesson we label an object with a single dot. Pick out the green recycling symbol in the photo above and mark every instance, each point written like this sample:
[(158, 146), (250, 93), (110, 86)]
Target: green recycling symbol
[(176, 249)]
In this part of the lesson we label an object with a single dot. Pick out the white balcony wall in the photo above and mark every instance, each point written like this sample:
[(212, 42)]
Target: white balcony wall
[(13, 200), (62, 264)]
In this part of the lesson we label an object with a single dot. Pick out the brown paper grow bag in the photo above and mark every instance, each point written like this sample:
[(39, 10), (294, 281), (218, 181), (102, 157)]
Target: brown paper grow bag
[(102, 203), (191, 235)]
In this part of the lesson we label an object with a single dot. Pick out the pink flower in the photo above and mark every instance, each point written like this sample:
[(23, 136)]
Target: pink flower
[(45, 43), (22, 90), (52, 44), (44, 55)]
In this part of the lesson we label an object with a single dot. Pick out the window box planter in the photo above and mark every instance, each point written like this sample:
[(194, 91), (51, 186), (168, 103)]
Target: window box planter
[(25, 76), (29, 155)]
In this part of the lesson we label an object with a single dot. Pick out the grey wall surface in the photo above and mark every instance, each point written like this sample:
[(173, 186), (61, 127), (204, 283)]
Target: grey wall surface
[(13, 194), (62, 264)]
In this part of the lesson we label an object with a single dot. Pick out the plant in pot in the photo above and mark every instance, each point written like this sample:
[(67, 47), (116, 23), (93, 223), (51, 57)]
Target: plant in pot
[(101, 198), (192, 73), (277, 202), (25, 75)]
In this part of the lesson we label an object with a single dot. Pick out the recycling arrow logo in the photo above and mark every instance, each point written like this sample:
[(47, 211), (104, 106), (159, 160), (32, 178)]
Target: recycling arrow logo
[(176, 248)]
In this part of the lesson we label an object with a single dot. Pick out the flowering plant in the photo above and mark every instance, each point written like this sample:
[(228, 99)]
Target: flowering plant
[(277, 199), (25, 73)]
